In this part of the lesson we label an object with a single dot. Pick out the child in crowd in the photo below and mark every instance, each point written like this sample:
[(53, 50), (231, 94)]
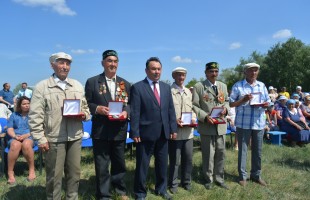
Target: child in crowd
[(271, 120)]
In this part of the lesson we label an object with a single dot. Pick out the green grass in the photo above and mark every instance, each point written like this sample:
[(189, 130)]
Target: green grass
[(285, 169)]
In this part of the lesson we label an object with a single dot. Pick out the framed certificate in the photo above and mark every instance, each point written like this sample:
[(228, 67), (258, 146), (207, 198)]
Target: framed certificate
[(115, 109), (71, 108), (186, 118), (215, 115), (256, 99)]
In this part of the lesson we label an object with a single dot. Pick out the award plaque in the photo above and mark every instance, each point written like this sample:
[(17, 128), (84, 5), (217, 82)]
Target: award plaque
[(186, 118), (215, 115), (115, 109), (72, 108), (256, 99)]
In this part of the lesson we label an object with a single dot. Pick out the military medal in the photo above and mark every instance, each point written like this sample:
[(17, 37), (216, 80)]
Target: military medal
[(206, 96), (220, 97), (102, 89)]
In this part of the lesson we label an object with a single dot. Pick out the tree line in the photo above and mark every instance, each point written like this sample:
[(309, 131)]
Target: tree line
[(284, 65)]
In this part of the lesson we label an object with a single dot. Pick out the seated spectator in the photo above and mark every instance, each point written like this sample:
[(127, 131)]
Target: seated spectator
[(295, 96), (271, 120), (4, 111), (280, 107), (283, 92), (295, 125), (299, 93), (20, 139), (305, 109), (272, 94)]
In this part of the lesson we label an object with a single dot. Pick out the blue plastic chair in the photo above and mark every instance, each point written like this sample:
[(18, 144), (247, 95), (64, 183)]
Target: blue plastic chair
[(87, 126), (230, 132), (196, 134), (129, 141), (3, 123)]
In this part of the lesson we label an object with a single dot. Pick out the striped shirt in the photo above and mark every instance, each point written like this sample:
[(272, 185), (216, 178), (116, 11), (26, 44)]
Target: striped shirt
[(249, 117)]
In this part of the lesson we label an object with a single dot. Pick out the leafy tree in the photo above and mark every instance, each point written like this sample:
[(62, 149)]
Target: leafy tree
[(231, 75), (287, 65), (17, 88), (192, 82)]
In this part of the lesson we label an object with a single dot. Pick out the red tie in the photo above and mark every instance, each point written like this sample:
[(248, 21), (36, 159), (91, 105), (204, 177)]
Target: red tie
[(156, 93)]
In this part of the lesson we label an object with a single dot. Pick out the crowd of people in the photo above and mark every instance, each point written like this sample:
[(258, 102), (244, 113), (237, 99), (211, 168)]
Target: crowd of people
[(162, 121)]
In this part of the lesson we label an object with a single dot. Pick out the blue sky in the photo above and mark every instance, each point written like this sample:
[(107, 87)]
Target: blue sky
[(181, 33)]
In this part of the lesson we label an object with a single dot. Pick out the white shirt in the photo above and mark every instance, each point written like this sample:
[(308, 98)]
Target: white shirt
[(60, 83), (152, 85), (111, 84)]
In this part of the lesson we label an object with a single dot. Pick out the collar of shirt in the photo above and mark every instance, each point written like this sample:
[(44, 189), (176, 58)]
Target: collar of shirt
[(60, 83), (152, 85), (254, 83), (211, 83), (111, 79), (180, 89)]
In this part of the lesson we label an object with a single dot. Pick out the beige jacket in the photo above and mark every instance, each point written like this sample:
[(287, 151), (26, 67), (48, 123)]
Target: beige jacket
[(183, 103), (45, 116)]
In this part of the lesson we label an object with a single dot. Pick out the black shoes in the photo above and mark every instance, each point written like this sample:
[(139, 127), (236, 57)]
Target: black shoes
[(209, 186), (173, 190), (259, 181), (165, 196), (222, 185)]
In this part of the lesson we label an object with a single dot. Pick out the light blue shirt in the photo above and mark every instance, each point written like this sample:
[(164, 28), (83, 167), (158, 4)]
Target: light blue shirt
[(27, 92), (19, 123), (247, 116)]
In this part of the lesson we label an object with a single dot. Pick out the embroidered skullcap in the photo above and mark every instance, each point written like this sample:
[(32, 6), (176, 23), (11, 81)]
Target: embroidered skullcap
[(109, 53), (212, 65)]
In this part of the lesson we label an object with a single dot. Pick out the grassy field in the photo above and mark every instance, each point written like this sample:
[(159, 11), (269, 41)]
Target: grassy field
[(285, 169)]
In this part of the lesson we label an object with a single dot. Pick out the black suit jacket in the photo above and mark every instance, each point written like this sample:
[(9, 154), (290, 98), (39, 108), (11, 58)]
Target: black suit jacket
[(102, 127), (148, 118)]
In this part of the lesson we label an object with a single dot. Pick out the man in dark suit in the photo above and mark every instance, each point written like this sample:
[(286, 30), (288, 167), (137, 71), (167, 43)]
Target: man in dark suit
[(153, 122), (109, 137)]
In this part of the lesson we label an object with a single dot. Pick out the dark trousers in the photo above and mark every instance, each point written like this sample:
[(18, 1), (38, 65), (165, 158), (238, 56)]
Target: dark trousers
[(180, 153), (106, 152), (145, 149)]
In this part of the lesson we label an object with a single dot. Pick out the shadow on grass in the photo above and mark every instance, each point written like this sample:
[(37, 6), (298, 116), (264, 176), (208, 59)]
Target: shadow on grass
[(303, 165), (23, 192)]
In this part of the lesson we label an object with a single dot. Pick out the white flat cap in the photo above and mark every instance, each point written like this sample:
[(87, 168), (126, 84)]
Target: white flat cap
[(251, 65), (282, 98), (270, 88), (298, 87), (60, 55), (179, 69)]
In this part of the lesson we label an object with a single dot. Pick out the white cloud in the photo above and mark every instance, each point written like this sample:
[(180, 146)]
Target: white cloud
[(58, 6), (82, 51), (235, 45), (179, 59), (285, 33)]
